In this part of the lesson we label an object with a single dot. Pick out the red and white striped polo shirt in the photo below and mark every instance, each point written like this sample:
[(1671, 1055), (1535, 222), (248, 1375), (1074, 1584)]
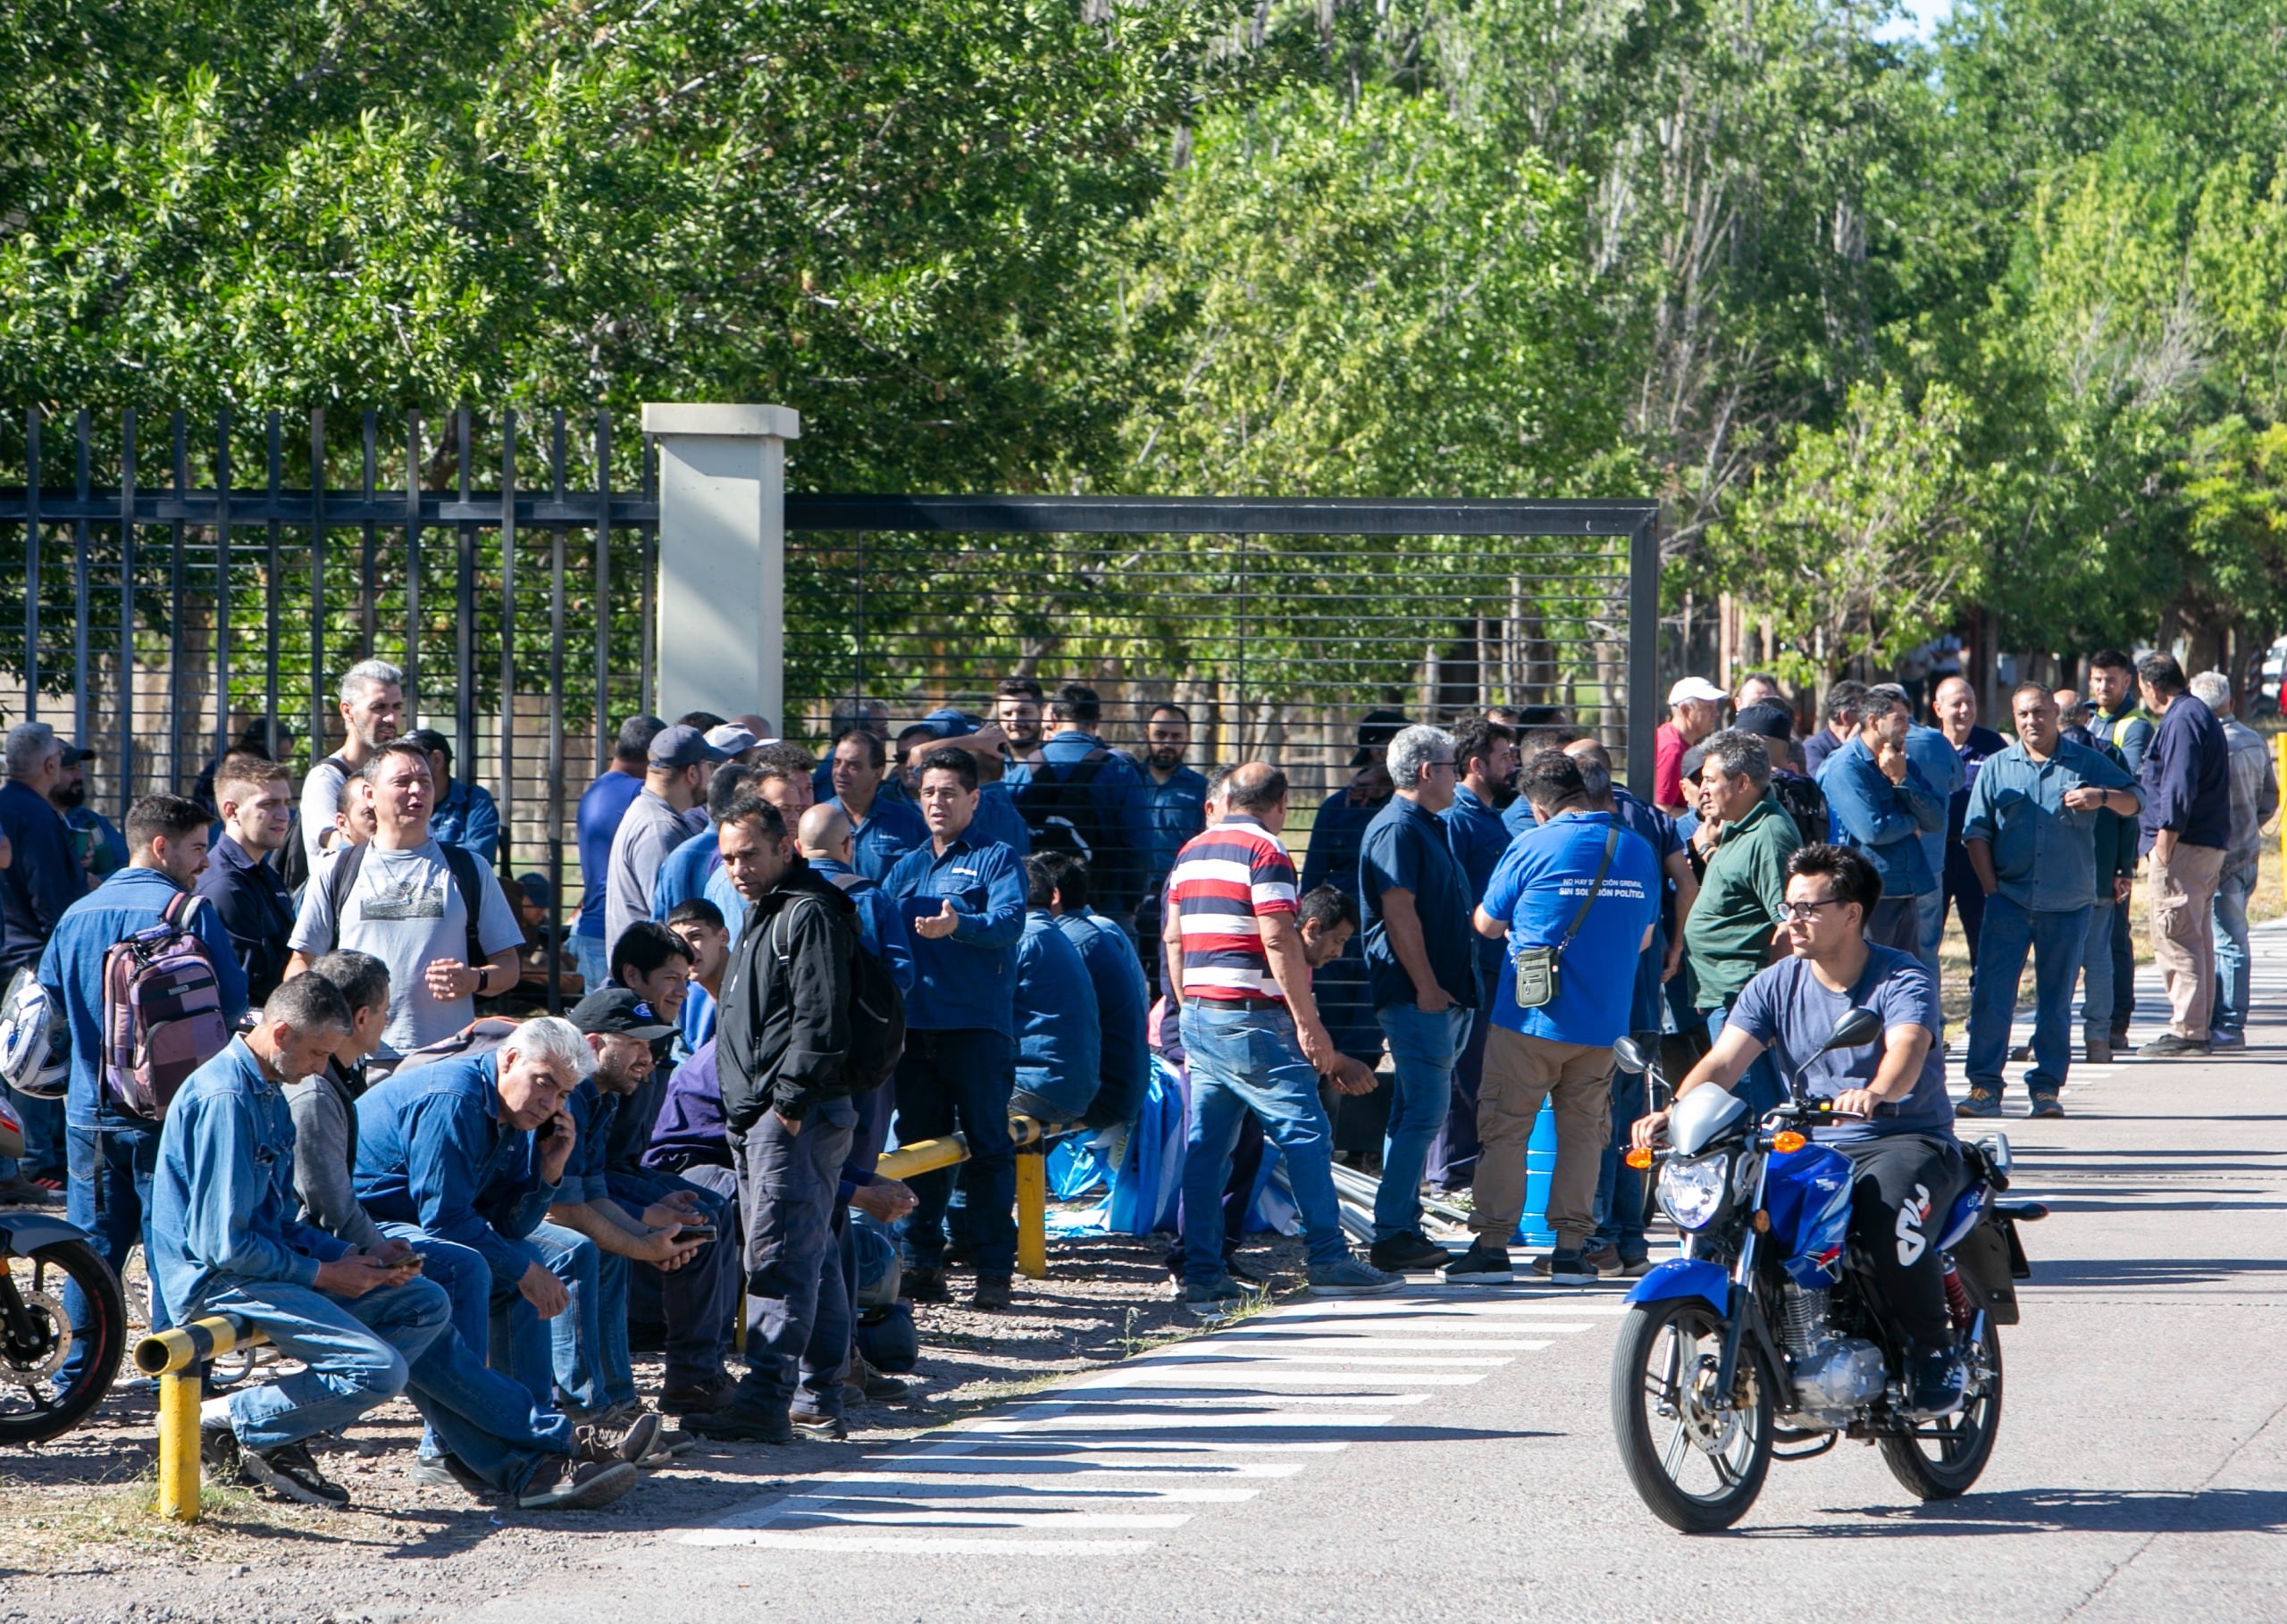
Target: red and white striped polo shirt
[(1224, 881)]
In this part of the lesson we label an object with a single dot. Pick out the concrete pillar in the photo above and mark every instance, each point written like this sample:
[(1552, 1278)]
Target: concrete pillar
[(722, 557)]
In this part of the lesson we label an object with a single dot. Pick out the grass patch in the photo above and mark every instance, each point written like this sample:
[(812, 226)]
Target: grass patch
[(121, 1518)]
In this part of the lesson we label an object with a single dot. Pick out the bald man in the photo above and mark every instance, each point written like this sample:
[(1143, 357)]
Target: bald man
[(1955, 705)]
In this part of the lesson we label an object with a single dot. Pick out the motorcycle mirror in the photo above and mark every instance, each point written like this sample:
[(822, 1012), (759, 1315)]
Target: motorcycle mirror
[(1629, 1055), (1859, 1026)]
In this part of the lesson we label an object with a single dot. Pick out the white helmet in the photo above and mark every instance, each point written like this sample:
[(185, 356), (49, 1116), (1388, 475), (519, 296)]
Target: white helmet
[(34, 1057)]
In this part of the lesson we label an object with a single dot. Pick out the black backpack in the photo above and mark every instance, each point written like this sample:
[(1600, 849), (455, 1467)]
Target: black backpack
[(876, 1008), (293, 857), (468, 878), (1803, 801), (1059, 810)]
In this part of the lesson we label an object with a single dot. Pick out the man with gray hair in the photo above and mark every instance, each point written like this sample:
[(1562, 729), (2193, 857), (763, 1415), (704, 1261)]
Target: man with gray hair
[(2255, 800), (373, 713), (42, 880), (1745, 841), (1421, 965)]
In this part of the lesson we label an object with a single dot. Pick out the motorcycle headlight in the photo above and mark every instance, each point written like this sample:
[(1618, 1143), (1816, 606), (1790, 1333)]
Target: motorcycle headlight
[(1692, 1192)]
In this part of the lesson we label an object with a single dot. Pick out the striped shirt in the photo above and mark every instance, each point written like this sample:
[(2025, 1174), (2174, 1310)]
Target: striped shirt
[(1224, 881)]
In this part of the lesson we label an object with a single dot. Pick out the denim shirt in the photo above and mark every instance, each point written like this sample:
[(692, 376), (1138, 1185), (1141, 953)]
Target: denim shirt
[(683, 876), (1887, 821), (467, 816), (223, 1201), (432, 1151), (963, 982), (2044, 855)]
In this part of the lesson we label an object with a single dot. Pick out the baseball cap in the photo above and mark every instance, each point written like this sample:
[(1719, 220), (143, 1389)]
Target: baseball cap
[(731, 738), (73, 754), (617, 1009), (683, 747), (1375, 729), (1770, 721), (537, 891), (1696, 687)]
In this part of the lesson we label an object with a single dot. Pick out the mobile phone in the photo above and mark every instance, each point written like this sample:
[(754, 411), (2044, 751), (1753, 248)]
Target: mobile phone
[(696, 1232)]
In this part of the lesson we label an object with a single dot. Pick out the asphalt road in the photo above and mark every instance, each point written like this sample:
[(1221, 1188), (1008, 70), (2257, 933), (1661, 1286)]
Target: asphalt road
[(1448, 1454)]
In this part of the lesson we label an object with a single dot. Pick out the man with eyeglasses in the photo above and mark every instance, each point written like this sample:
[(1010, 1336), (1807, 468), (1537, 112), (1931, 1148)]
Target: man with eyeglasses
[(1908, 1167), (1422, 964)]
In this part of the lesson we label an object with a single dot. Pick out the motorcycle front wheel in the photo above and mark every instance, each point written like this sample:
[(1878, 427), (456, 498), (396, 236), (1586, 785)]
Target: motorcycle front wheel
[(1941, 1459), (36, 1339), (1698, 1464)]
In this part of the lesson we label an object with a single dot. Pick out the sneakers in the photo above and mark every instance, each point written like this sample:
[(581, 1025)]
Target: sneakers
[(1481, 1265), (1407, 1252), (1217, 1300), (26, 1193), (445, 1471), (1632, 1269), (1982, 1101), (708, 1394), (925, 1285), (559, 1484), (2221, 1039), (819, 1429), (2045, 1105), (1603, 1259), (640, 1440), (1938, 1382), (2097, 1051), (1351, 1278), (992, 1295), (292, 1471), (736, 1424), (1561, 1268), (2168, 1046), (218, 1448)]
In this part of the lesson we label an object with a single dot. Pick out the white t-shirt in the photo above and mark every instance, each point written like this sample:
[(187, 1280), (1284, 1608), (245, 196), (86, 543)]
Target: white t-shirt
[(405, 910), (320, 802)]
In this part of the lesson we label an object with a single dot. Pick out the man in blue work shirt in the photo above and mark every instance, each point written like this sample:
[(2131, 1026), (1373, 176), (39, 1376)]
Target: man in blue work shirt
[(1345, 1000), (1931, 755), (463, 815), (2031, 835), (1174, 806), (42, 880), (883, 829), (602, 804), (1421, 965), (2117, 719), (997, 821), (1080, 796), (2186, 829), (824, 838), (111, 1154), (965, 905), (447, 1153), (1123, 1005), (1488, 754), (1954, 704), (1059, 1038), (1885, 805)]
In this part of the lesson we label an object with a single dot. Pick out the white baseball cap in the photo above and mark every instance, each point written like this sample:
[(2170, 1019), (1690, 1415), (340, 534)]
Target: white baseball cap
[(1696, 688), (732, 739)]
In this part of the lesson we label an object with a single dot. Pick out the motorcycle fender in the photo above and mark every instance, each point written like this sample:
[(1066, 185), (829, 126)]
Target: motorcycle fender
[(21, 1234), (1685, 1277), (1984, 1256)]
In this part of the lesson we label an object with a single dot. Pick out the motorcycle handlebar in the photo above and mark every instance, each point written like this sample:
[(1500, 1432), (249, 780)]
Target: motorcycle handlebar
[(1798, 1113)]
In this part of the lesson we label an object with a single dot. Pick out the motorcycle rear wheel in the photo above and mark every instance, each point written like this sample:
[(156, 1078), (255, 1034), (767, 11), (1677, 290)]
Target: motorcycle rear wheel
[(1943, 1458), (34, 1339), (1697, 1465)]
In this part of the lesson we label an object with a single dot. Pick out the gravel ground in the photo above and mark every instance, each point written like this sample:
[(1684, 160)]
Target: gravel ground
[(80, 1540)]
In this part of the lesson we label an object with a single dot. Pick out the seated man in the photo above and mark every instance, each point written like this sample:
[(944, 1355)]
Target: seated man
[(1123, 1003), (471, 1151), (363, 1323), (1060, 1036), (700, 924), (1909, 1166)]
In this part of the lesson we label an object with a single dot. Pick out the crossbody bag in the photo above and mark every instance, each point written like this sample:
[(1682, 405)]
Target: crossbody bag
[(1536, 967)]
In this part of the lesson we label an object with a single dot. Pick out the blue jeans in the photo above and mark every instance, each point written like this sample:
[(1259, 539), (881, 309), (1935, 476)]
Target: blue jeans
[(484, 1418), (588, 956), (1929, 913), (2233, 888), (466, 1278), (798, 1309), (110, 1198), (1244, 1060), (1423, 1048), (357, 1354), (2055, 941), (588, 1341), (1619, 1188), (2096, 973), (961, 1079), (1761, 1086), (2123, 967)]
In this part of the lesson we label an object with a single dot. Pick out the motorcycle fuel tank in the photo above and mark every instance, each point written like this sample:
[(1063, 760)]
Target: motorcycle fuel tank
[(1807, 1194)]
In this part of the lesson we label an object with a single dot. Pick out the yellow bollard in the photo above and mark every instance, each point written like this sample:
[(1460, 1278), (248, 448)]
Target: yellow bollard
[(922, 1156), (179, 1444), (1032, 1214)]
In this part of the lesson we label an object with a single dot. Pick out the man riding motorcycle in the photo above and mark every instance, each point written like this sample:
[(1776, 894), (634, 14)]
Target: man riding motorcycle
[(1908, 1166)]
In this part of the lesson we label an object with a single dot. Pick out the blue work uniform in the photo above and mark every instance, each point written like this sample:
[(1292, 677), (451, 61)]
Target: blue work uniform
[(467, 816), (890, 828), (1123, 1011), (1059, 1042)]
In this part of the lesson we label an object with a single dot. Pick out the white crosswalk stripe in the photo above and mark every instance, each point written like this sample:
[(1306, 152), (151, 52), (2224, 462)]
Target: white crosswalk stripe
[(1116, 1461)]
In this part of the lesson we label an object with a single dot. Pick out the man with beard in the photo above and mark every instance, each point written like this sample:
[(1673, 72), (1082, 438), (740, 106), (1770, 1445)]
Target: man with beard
[(1174, 801), (1488, 754), (95, 840), (373, 713)]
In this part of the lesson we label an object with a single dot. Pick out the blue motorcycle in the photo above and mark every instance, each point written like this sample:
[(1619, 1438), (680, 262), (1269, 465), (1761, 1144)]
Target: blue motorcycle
[(1763, 1342)]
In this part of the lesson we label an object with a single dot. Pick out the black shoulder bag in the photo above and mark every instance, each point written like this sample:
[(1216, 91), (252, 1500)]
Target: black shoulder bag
[(1536, 967)]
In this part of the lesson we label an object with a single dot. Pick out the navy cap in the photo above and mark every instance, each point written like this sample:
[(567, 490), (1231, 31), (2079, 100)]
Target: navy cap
[(683, 747)]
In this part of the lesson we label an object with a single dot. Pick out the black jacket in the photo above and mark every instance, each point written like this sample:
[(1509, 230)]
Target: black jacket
[(783, 1027), (255, 908)]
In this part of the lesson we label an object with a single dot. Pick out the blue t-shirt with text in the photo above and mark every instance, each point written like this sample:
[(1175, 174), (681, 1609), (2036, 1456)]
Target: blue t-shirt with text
[(1538, 888)]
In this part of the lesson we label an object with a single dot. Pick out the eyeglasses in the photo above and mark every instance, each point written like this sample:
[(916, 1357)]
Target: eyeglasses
[(1789, 912), (1446, 762)]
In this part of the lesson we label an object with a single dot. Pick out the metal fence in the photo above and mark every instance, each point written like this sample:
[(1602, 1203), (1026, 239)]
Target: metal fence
[(179, 589)]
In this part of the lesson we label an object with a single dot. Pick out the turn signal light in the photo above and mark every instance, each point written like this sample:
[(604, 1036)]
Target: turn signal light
[(1638, 1157), (1786, 1141)]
